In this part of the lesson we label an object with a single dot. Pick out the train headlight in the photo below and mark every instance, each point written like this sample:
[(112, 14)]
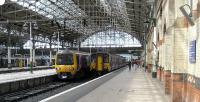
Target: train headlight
[(57, 68)]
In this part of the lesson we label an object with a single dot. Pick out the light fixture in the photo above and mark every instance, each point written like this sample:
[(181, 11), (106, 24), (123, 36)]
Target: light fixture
[(2, 2), (62, 35), (14, 0), (35, 26), (146, 22), (25, 26), (186, 14), (149, 21)]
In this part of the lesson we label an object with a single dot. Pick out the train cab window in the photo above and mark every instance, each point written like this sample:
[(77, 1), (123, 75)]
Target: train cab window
[(106, 58), (65, 59), (93, 58)]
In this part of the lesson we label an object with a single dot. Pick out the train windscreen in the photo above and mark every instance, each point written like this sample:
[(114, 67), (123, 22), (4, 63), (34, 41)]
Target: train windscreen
[(65, 59), (106, 58), (93, 58)]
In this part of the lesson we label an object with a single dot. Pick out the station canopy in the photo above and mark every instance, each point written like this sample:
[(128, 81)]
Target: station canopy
[(74, 20)]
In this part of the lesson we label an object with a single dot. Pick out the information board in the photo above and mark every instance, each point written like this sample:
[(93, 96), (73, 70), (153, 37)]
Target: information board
[(192, 52)]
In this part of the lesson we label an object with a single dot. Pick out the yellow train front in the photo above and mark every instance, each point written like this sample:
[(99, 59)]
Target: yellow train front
[(72, 64), (104, 62), (100, 62)]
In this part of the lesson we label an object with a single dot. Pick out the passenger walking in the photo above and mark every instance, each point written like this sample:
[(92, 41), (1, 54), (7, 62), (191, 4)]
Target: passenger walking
[(129, 65), (145, 68), (132, 64), (136, 65)]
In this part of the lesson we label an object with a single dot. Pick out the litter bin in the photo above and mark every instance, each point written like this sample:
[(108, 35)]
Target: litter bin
[(154, 74)]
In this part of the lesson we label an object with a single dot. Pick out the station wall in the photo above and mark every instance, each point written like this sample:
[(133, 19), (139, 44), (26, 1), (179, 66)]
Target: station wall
[(178, 49)]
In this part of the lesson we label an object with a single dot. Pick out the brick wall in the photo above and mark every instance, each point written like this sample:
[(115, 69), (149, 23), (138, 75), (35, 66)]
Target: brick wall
[(181, 78)]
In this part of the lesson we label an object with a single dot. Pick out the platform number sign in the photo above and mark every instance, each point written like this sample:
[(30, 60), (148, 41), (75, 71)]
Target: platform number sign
[(192, 52)]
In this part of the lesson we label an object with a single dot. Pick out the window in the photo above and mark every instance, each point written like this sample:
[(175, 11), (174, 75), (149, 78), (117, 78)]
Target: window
[(111, 38), (65, 59), (164, 29), (93, 58), (106, 58), (161, 12)]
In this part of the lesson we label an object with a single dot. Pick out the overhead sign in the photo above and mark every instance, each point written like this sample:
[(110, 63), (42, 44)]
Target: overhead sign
[(192, 52)]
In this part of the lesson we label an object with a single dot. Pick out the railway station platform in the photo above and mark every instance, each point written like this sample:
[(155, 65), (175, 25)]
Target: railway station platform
[(13, 77), (10, 82), (128, 86), (21, 69)]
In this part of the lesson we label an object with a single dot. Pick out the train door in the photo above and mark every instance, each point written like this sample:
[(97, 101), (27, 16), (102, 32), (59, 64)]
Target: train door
[(84, 63), (93, 62), (1, 62), (78, 62), (106, 62), (100, 62)]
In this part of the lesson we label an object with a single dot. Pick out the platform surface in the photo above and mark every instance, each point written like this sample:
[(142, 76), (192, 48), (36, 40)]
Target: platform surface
[(10, 77), (21, 68), (128, 86)]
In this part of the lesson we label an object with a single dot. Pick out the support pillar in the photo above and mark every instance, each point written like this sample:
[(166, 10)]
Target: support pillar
[(72, 44), (180, 38), (63, 45), (34, 61), (9, 58), (9, 47), (58, 40), (31, 49), (79, 45), (167, 82), (50, 52), (154, 53)]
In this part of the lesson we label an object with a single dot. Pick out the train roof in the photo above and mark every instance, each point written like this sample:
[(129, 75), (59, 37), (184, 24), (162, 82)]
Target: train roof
[(73, 51), (101, 53)]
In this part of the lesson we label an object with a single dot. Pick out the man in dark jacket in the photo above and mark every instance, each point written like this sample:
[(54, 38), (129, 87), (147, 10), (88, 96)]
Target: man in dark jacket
[(129, 65)]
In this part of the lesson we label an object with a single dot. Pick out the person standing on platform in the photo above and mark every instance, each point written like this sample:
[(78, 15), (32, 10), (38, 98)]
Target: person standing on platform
[(132, 63), (145, 68), (129, 65)]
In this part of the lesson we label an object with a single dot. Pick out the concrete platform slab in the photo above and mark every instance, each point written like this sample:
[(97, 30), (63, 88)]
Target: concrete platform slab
[(22, 69), (128, 86), (12, 77)]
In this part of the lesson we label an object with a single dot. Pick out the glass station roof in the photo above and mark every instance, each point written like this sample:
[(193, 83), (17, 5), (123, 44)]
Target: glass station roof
[(56, 9), (77, 19)]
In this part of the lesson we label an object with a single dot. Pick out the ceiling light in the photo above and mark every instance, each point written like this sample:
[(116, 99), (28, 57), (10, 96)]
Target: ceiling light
[(187, 14), (14, 0), (25, 26), (35, 26), (2, 2)]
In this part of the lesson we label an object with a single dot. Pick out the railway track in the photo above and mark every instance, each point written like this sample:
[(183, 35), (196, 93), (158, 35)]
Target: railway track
[(38, 93), (43, 91), (23, 94)]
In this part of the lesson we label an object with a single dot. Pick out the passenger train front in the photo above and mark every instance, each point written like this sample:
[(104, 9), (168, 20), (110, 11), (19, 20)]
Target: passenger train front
[(72, 64)]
